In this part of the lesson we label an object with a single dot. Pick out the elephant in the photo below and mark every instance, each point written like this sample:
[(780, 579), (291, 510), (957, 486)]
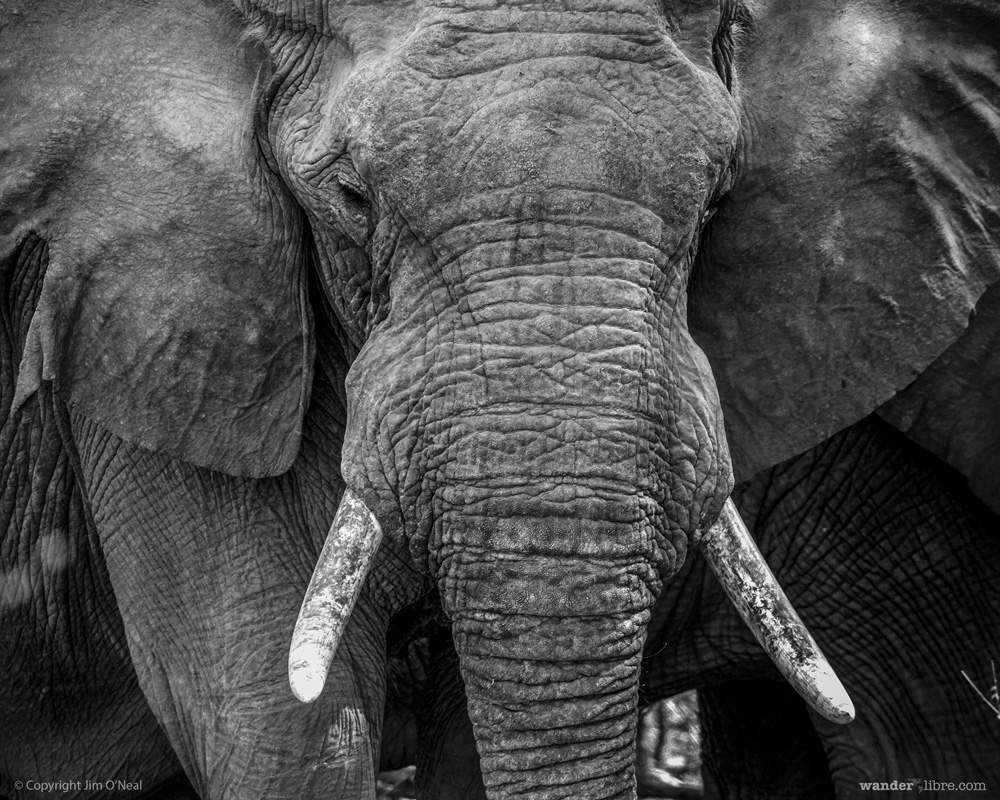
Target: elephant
[(324, 317)]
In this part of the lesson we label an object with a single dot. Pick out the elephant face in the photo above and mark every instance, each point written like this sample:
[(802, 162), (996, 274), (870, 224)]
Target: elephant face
[(540, 249), (521, 277)]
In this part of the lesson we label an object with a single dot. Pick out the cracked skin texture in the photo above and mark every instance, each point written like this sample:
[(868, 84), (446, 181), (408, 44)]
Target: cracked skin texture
[(501, 268)]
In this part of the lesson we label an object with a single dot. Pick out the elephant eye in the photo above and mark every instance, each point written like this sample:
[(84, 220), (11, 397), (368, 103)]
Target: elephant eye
[(352, 186), (355, 211), (723, 44)]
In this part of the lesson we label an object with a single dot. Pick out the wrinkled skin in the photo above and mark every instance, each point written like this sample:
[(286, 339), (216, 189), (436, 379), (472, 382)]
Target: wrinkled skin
[(455, 257), (892, 563)]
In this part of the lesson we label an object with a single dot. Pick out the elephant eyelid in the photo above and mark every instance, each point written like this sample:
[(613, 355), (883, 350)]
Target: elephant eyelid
[(352, 185), (355, 208)]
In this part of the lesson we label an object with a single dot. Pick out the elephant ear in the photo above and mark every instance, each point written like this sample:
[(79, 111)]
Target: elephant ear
[(173, 308), (864, 223), (951, 408)]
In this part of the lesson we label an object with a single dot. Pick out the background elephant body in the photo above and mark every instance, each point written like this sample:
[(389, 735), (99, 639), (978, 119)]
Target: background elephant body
[(893, 563), (535, 281)]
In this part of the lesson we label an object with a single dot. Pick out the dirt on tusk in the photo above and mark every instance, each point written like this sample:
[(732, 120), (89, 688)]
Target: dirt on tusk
[(336, 582), (751, 586)]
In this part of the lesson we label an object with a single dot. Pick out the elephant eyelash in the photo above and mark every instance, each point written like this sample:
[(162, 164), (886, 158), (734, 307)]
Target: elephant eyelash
[(356, 206), (352, 188)]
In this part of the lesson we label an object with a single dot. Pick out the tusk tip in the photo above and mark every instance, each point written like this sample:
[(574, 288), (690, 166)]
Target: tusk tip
[(306, 679), (306, 688), (829, 697), (838, 709)]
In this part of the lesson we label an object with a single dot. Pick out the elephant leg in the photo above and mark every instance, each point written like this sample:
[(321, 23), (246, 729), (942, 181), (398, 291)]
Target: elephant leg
[(209, 573), (758, 743), (448, 765), (71, 709)]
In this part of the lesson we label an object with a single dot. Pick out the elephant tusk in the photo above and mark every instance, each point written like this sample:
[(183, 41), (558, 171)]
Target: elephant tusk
[(751, 586), (334, 588)]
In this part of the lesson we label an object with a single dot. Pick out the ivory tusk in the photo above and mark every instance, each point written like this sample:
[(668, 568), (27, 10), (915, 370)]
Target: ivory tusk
[(333, 590), (751, 586)]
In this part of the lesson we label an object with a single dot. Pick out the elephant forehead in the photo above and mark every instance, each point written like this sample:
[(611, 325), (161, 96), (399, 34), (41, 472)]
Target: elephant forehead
[(636, 121), (453, 37)]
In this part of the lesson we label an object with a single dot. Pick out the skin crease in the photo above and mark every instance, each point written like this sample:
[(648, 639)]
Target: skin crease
[(468, 260)]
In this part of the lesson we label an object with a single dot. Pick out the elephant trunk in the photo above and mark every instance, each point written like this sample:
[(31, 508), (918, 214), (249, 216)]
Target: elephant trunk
[(550, 645), (555, 495)]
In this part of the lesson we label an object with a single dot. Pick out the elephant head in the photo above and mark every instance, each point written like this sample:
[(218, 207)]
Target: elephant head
[(588, 263)]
